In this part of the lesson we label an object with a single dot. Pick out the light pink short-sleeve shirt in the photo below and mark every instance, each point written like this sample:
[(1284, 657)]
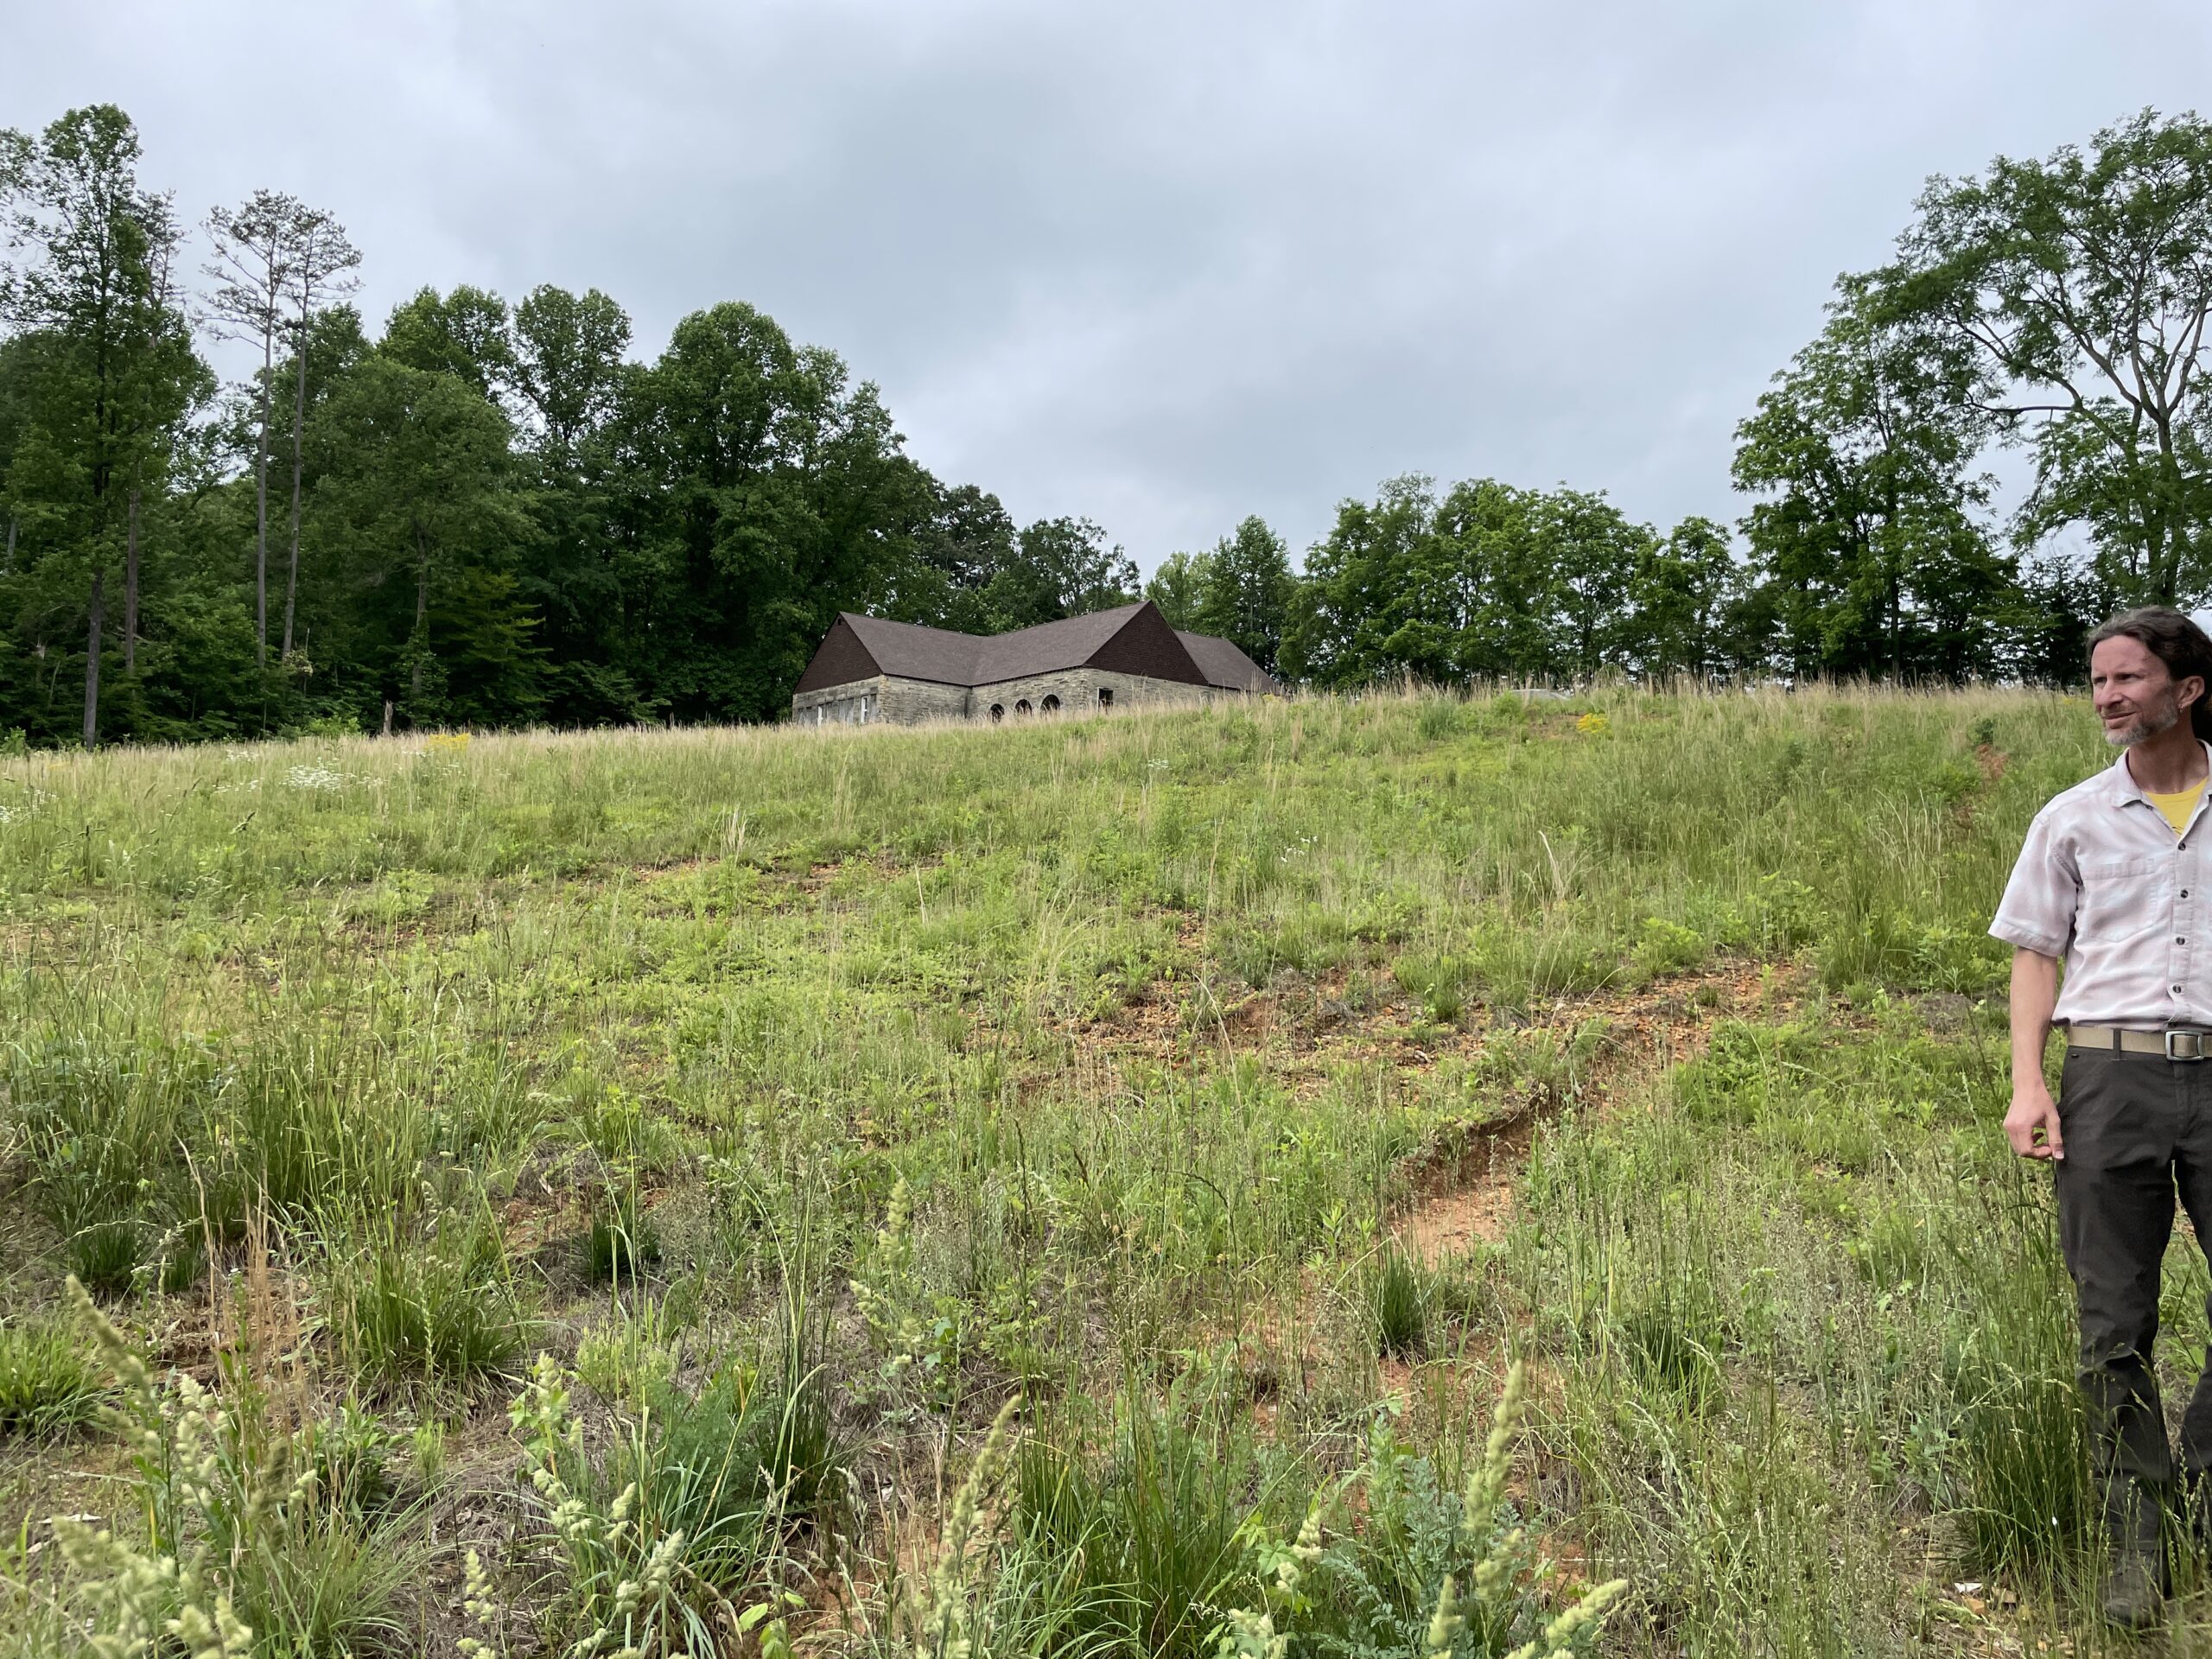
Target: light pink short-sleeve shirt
[(2105, 883)]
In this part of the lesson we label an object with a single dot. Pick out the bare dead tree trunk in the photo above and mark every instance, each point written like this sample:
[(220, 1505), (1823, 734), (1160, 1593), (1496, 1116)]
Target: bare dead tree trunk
[(422, 621), (323, 261), (254, 263), (260, 512), (130, 589), (93, 660), (299, 421)]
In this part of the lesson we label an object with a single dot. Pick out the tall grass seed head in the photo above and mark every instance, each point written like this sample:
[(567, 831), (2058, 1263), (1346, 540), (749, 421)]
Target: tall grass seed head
[(1446, 1622)]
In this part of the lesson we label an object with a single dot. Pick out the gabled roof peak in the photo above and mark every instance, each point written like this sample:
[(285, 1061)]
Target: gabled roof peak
[(1132, 638)]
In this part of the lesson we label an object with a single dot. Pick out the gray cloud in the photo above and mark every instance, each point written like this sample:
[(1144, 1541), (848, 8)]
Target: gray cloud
[(1162, 264)]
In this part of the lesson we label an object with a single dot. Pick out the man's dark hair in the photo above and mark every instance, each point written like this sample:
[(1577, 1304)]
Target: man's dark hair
[(2175, 640)]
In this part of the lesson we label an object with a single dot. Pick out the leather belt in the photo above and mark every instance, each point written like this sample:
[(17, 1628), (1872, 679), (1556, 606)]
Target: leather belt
[(2175, 1043)]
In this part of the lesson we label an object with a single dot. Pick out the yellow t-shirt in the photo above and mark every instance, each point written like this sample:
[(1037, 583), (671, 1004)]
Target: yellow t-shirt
[(2179, 807)]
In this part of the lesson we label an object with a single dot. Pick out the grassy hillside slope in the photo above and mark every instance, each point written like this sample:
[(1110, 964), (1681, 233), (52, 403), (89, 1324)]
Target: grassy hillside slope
[(1239, 1092)]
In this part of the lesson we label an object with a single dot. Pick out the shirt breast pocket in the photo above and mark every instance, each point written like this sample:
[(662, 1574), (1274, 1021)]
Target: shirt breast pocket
[(2123, 897)]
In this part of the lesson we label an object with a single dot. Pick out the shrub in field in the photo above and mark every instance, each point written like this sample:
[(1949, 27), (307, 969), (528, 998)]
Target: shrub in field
[(48, 1383), (183, 1262), (1397, 1298), (668, 1540), (1443, 718), (1156, 1514), (921, 1326), (1665, 947), (623, 1241), (979, 1593), (436, 1306), (106, 1255), (1442, 984), (99, 1121), (1423, 1569), (1303, 938), (615, 1124), (251, 1543), (629, 1357), (1673, 1343), (1745, 1069), (351, 1459)]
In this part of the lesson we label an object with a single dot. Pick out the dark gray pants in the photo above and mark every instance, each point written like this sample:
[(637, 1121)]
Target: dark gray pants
[(2137, 1129)]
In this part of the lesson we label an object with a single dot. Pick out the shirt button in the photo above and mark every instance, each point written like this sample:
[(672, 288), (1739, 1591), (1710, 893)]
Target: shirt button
[(2176, 990)]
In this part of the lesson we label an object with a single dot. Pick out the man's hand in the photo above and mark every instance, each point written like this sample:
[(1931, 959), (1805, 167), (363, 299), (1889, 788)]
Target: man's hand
[(2032, 1124)]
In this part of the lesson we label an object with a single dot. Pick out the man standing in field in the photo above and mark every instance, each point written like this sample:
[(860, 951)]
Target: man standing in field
[(2116, 880)]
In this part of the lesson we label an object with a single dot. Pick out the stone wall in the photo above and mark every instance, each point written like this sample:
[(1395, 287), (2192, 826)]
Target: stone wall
[(908, 702), (1077, 689), (860, 703)]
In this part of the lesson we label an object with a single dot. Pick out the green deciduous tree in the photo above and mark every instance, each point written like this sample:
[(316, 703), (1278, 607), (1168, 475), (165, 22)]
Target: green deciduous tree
[(762, 493), (1870, 522), (566, 359), (2079, 288), (1178, 587), (1681, 594), (103, 373), (1357, 619), (416, 497), (961, 539), (463, 334), (1057, 568), (1244, 591), (569, 357), (1487, 580)]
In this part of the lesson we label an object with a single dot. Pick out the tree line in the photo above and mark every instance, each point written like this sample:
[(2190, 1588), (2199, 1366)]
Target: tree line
[(492, 514), (2049, 312)]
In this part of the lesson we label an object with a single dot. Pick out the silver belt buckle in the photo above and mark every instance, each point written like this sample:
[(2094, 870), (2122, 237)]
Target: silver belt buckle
[(2185, 1045)]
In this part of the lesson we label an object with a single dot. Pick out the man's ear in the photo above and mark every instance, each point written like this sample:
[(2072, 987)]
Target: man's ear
[(2190, 690)]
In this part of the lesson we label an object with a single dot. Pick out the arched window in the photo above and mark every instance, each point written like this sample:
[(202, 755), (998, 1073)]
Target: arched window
[(1050, 705), (1105, 697), (998, 713), (1022, 706)]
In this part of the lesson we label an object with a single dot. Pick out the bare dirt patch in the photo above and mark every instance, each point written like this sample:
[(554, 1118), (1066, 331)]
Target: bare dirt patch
[(1454, 1224)]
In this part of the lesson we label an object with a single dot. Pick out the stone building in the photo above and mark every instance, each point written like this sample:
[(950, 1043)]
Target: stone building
[(867, 670)]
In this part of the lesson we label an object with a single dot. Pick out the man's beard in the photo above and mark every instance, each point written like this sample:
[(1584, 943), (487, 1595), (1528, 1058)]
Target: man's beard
[(2144, 726)]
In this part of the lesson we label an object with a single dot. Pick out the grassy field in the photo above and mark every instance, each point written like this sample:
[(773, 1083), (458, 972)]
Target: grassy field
[(1072, 1189)]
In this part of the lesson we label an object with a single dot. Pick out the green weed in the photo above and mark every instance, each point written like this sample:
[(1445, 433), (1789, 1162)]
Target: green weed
[(1157, 1516), (49, 1384), (1397, 1298), (435, 1306), (623, 1241)]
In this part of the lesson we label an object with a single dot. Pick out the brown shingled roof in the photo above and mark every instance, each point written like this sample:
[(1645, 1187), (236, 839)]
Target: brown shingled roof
[(912, 652), (1050, 646), (1128, 638), (1224, 663)]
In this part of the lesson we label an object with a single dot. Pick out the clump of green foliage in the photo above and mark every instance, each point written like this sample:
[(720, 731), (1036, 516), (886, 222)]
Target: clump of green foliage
[(255, 1538), (49, 1384), (671, 1537)]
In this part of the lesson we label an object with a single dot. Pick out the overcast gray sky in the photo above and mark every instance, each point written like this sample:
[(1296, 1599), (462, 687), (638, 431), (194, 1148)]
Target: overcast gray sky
[(1164, 264)]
